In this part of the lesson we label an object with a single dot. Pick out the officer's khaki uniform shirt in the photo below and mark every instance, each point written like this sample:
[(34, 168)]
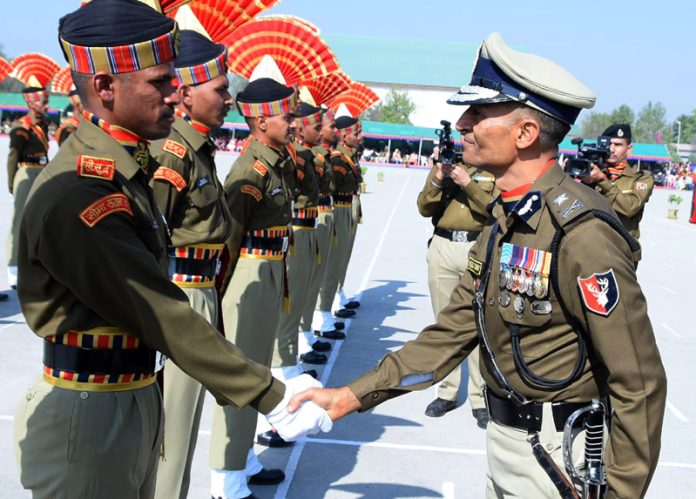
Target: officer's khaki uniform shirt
[(628, 195), (187, 189), (323, 169), (306, 182), (90, 258), (28, 144), (256, 192), (346, 171), (625, 365), (467, 210)]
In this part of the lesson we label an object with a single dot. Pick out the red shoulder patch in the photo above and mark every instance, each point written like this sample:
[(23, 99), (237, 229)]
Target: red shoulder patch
[(171, 176), (336, 153), (320, 158), (600, 292), (259, 168), (178, 150), (113, 203), (95, 167), (252, 191), (340, 170)]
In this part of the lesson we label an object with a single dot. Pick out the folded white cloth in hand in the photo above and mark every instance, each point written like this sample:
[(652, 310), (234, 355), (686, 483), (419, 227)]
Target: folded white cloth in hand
[(307, 420)]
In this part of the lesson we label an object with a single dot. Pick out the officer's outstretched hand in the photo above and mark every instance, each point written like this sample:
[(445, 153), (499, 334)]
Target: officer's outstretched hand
[(338, 402), (307, 420)]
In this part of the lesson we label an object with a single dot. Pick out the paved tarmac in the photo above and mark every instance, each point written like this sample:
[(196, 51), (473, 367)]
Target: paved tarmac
[(395, 451)]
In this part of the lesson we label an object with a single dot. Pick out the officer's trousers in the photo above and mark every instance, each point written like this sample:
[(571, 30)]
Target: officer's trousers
[(356, 213), (23, 180), (324, 237), (89, 445), (447, 262), (183, 404), (301, 261), (339, 257), (513, 471), (250, 311)]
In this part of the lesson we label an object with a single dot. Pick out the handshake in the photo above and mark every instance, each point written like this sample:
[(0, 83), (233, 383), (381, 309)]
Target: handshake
[(308, 408)]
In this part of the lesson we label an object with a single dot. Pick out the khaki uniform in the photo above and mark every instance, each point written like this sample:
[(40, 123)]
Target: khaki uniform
[(624, 363), (302, 256), (324, 232), (346, 174), (187, 191), (93, 271), (464, 212), (27, 157), (66, 129), (628, 195), (259, 202)]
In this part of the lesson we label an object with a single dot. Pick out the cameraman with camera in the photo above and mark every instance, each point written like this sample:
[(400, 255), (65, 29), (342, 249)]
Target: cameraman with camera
[(625, 187), (455, 196)]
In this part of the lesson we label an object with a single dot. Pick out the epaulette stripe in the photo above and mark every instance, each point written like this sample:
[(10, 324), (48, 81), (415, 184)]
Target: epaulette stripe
[(95, 167), (173, 147), (259, 168)]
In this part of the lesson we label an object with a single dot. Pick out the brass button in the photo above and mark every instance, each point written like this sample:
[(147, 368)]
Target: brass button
[(375, 396)]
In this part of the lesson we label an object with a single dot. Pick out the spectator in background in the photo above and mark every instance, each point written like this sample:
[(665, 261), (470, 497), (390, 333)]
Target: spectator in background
[(396, 157)]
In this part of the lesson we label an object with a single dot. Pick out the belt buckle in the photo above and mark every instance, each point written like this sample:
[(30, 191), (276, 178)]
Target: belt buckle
[(286, 242), (459, 236)]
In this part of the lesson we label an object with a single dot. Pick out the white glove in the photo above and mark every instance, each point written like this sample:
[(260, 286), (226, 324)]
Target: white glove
[(307, 420)]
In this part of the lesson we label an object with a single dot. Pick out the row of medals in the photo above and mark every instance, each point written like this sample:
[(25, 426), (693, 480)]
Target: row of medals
[(523, 282)]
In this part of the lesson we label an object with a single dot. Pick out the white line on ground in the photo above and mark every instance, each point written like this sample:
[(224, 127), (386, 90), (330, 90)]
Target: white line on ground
[(387, 445), (677, 465), (677, 413), (669, 290), (675, 333), (296, 453), (13, 323), (448, 490)]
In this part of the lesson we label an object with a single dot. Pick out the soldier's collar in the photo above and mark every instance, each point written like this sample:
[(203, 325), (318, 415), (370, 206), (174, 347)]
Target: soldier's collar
[(190, 134), (101, 144), (266, 153)]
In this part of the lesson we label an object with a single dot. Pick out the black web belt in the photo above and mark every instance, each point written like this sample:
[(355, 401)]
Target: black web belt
[(139, 360), (191, 266), (457, 236), (304, 222), (265, 243)]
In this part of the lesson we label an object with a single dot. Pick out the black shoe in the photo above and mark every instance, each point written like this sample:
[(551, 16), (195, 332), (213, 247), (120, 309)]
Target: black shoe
[(481, 416), (312, 373), (4, 297), (14, 286), (339, 326), (332, 335), (313, 358), (440, 407), (267, 477), (271, 439), (344, 313), (352, 305), (321, 346)]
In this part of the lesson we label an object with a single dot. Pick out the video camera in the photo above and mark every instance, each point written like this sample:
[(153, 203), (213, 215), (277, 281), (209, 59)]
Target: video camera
[(587, 154), (448, 156)]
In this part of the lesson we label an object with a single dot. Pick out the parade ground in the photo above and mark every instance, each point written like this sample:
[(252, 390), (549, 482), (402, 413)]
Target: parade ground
[(395, 451)]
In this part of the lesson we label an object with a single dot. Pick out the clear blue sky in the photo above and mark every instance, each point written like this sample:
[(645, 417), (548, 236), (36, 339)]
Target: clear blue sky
[(626, 51)]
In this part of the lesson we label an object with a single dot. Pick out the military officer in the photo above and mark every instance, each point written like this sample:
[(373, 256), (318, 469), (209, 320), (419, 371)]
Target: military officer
[(455, 197), (187, 191), (550, 295), (70, 125), (93, 278), (346, 175), (260, 204), (314, 319), (28, 155), (627, 188)]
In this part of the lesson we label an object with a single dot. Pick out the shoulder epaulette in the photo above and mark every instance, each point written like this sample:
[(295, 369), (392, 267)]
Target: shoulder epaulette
[(175, 148), (566, 207), (259, 168), (336, 153), (97, 211), (95, 167), (171, 176), (25, 122)]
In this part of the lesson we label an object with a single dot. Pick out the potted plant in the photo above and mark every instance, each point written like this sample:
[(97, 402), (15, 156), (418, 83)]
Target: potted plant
[(363, 185), (380, 176), (674, 201)]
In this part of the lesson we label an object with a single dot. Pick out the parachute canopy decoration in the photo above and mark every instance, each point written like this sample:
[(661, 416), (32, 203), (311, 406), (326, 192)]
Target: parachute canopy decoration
[(327, 87), (62, 82), (165, 6), (222, 17), (298, 51), (5, 68), (298, 20), (358, 99), (34, 69)]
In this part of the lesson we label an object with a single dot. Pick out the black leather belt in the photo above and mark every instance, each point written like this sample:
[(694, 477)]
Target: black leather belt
[(324, 201), (304, 222), (458, 236), (139, 360), (191, 266), (528, 417), (265, 243)]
